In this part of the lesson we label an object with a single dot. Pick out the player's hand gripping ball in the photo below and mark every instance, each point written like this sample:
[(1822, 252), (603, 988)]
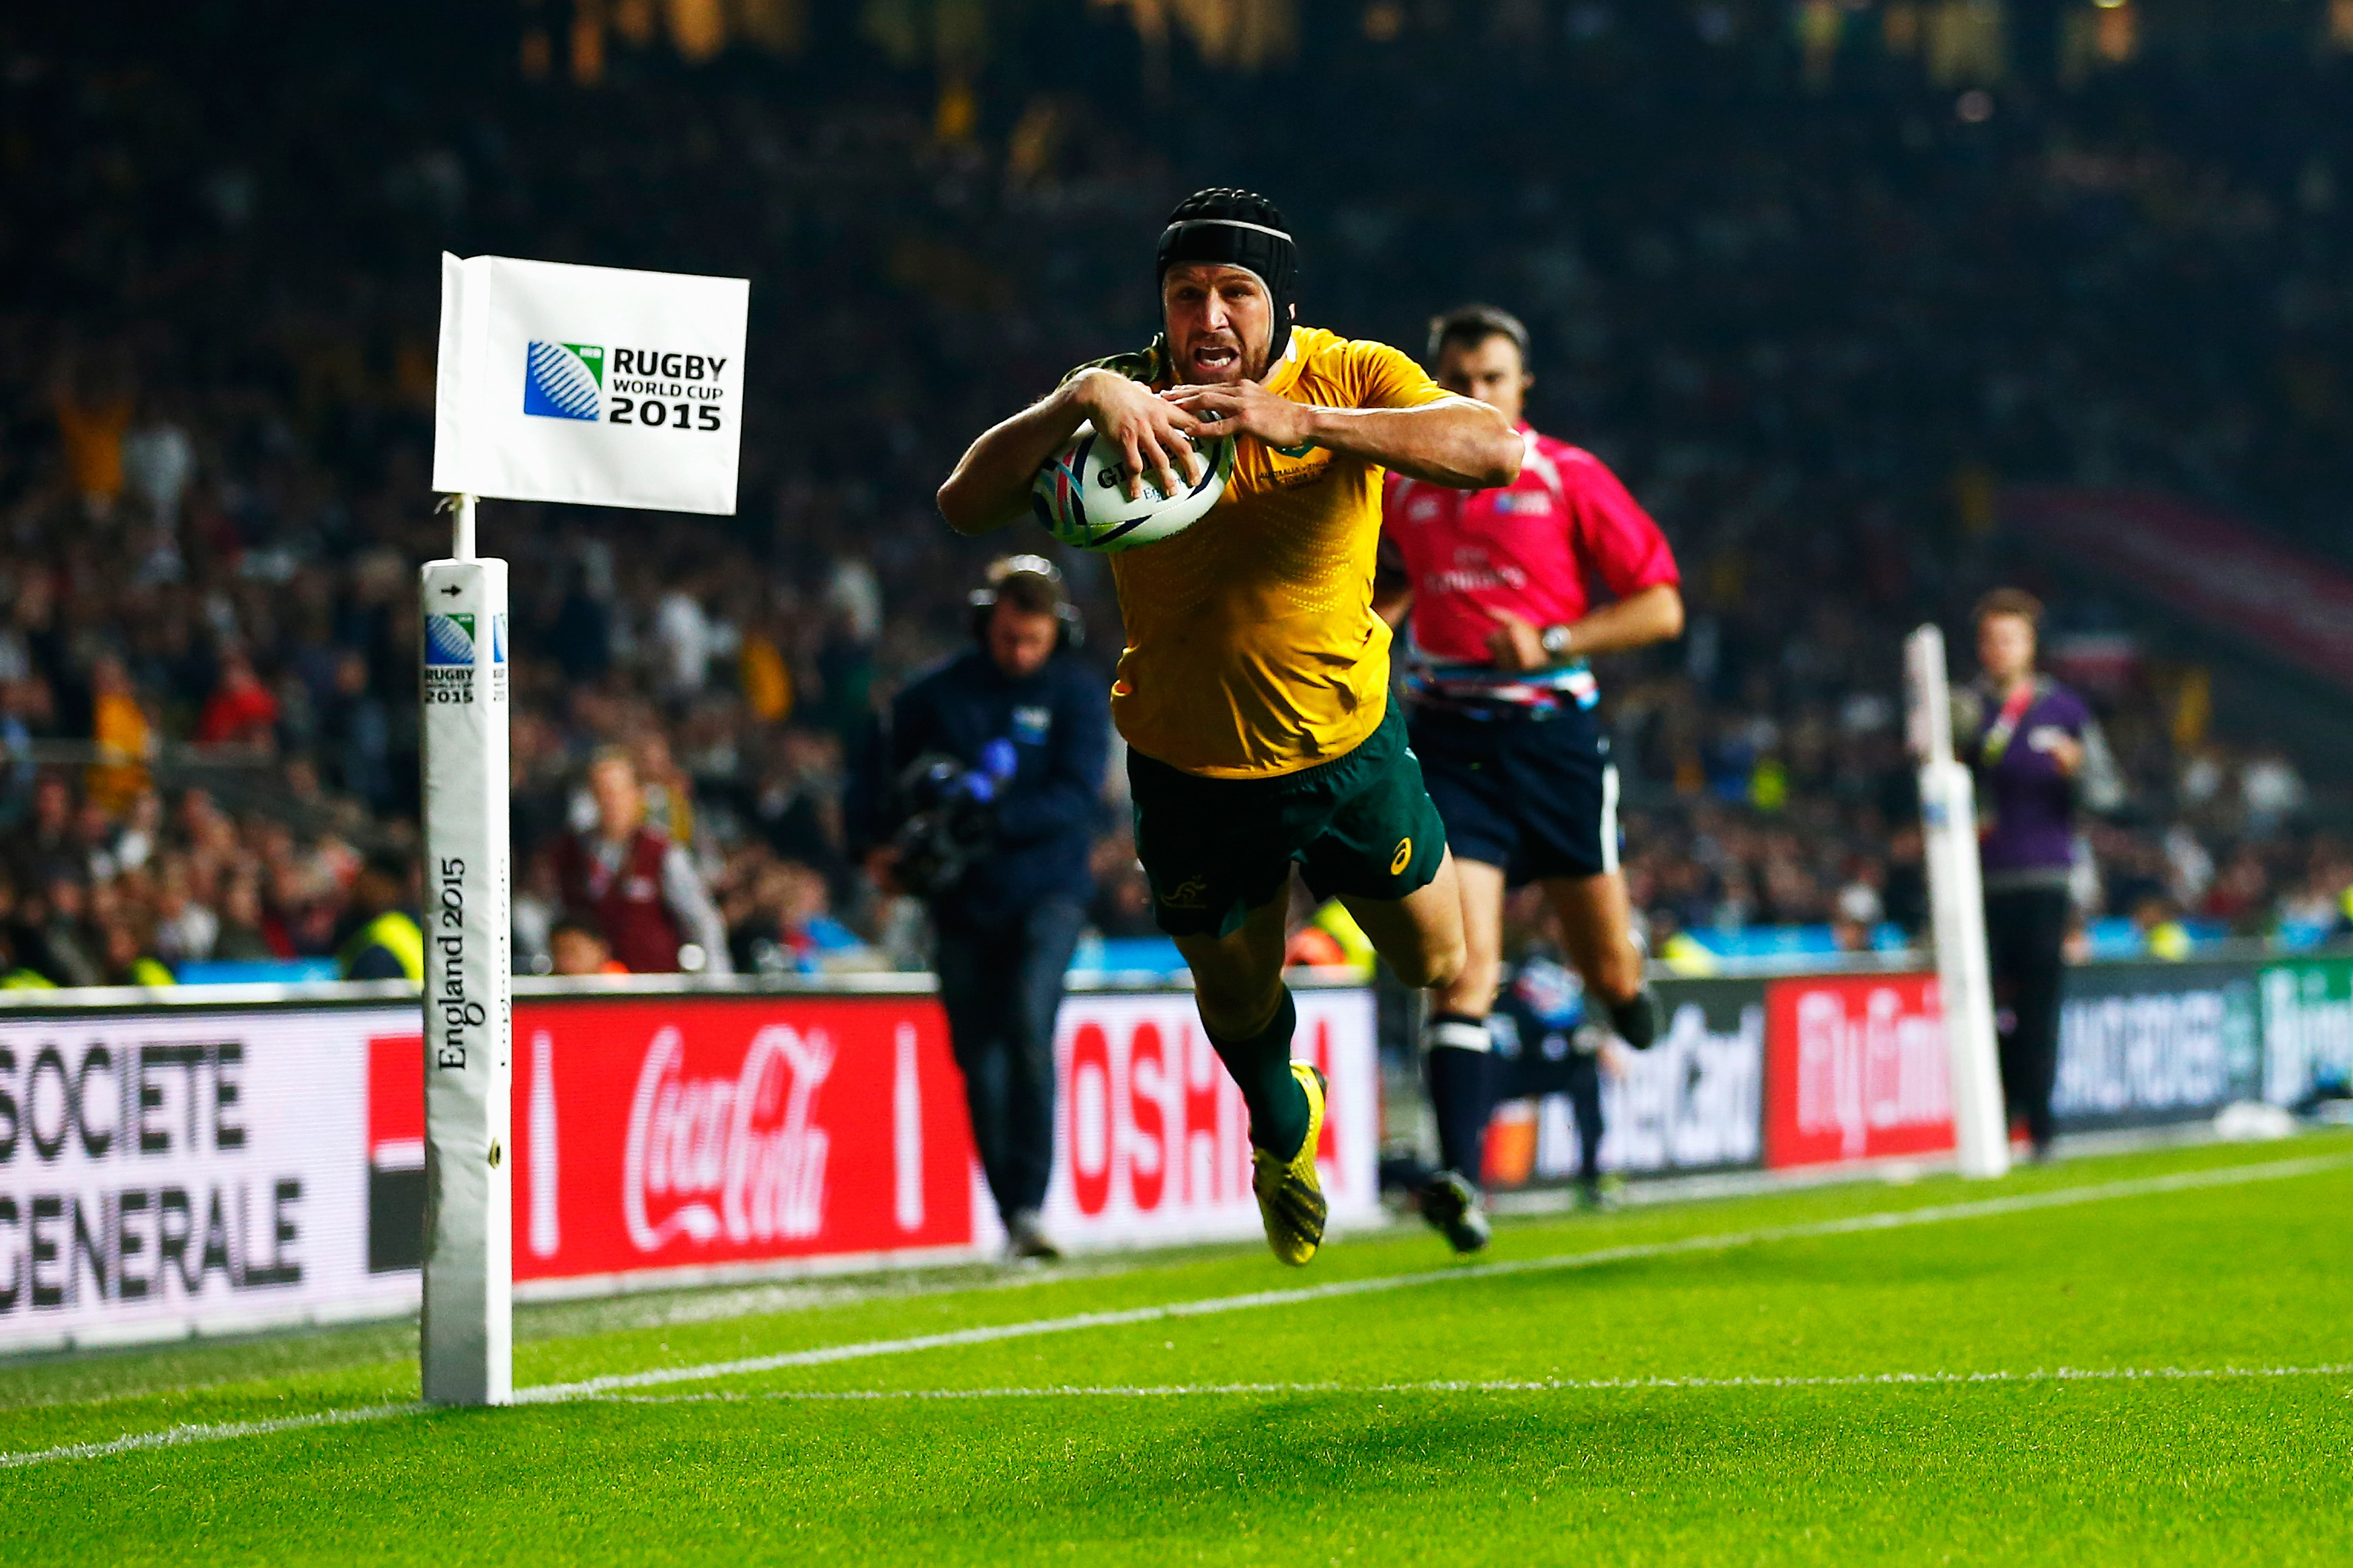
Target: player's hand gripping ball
[(1081, 494)]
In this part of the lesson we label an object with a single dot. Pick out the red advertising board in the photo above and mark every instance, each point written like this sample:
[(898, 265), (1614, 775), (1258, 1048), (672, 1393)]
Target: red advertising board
[(652, 1135), (657, 1134), (1855, 1069)]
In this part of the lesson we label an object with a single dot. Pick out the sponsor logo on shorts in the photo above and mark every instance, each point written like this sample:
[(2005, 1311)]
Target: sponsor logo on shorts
[(1404, 854), (1192, 893)]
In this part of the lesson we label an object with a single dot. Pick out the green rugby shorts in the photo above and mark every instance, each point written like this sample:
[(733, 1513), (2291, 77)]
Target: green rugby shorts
[(1360, 825)]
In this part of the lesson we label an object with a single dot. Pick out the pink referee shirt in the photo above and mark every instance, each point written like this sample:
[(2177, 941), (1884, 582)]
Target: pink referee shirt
[(1532, 547)]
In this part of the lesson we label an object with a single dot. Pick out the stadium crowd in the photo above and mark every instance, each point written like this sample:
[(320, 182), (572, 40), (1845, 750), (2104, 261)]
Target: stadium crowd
[(1816, 331)]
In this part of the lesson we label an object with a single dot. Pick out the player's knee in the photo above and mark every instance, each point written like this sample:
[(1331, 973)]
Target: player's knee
[(1472, 987)]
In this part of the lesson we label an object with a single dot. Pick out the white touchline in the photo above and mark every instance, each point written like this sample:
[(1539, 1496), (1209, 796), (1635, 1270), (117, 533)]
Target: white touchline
[(1494, 1385), (1887, 1219), (1891, 1220), (214, 1432)]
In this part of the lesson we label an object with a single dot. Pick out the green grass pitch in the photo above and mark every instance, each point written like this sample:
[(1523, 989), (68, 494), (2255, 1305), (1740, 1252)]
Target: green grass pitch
[(2136, 1359)]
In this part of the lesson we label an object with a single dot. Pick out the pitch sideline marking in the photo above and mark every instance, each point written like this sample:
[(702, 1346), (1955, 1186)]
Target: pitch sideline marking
[(994, 1333), (216, 1432), (178, 1436), (1492, 1385), (589, 1388)]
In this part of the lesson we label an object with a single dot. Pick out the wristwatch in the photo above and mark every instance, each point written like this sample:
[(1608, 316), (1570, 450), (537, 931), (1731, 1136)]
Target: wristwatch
[(1554, 642)]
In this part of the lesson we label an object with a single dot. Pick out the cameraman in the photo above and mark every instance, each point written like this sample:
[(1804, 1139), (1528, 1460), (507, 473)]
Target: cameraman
[(982, 795)]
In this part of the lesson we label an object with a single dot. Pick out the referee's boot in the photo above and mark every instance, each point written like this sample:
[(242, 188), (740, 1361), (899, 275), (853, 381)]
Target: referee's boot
[(1451, 1203), (1636, 1019)]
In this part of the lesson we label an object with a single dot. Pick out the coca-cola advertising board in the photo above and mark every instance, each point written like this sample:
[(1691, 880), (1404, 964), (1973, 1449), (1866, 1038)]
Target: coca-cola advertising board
[(1151, 1139), (176, 1171), (707, 1136), (1855, 1069), (672, 1134)]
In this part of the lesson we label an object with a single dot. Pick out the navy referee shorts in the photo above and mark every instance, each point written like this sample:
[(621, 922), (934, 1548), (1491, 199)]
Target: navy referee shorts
[(1534, 793)]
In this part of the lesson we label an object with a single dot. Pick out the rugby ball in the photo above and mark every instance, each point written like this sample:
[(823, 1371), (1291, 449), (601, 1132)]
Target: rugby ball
[(1080, 495)]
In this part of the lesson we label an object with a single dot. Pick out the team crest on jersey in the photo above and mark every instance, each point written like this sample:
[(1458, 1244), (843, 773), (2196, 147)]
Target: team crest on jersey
[(1423, 511), (1290, 467)]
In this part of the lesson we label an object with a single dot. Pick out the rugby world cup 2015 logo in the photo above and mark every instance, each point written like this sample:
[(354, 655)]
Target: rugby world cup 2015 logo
[(449, 642), (563, 381)]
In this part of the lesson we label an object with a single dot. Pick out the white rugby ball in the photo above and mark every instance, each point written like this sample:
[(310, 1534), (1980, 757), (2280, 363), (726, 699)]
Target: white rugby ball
[(1080, 495)]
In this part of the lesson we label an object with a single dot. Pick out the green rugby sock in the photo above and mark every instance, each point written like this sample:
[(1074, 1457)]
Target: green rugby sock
[(1261, 1066)]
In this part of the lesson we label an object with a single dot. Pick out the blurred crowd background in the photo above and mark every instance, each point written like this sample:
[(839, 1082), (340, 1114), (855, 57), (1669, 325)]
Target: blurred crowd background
[(1826, 282)]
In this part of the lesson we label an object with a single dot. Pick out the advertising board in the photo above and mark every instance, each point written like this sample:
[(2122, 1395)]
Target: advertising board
[(160, 1172), (1691, 1102), (668, 1134), (717, 1134), (2307, 1026), (2143, 1042), (1854, 1069), (1854, 1064), (1152, 1141), (199, 1169)]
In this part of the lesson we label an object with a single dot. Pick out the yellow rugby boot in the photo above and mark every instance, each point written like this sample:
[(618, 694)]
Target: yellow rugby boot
[(1290, 1199)]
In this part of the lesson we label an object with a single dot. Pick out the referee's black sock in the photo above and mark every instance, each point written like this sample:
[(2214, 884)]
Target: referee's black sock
[(1461, 1087), (1636, 1019), (1262, 1069)]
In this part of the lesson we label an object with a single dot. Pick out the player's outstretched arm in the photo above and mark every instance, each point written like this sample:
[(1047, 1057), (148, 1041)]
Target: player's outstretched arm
[(1453, 442), (990, 487)]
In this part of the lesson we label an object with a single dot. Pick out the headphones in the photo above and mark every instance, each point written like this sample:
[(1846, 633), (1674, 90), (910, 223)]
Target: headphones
[(982, 601)]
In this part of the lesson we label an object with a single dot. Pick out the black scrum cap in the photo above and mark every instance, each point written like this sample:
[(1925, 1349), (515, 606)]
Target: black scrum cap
[(1225, 227)]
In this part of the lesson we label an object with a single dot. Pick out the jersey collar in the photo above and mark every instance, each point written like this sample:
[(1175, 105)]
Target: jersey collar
[(1286, 375)]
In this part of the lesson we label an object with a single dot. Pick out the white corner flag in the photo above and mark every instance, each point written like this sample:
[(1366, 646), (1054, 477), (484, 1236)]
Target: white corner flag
[(1948, 831), (589, 385), (556, 383)]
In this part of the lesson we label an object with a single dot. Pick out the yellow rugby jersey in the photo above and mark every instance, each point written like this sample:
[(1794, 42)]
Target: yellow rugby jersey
[(1252, 649)]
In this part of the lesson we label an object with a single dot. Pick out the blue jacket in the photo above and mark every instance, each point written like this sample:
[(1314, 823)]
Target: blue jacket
[(1048, 814)]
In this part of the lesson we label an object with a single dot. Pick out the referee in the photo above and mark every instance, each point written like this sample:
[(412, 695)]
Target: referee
[(1494, 584)]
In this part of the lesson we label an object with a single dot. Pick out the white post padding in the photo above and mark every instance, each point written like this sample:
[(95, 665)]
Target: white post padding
[(1948, 820), (466, 1347)]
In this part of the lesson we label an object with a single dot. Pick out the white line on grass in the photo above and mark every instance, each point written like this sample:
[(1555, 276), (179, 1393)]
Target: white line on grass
[(1894, 1219), (1494, 1385), (994, 1333), (174, 1437)]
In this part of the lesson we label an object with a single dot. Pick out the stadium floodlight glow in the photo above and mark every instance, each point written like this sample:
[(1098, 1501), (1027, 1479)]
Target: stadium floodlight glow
[(1948, 830), (588, 385)]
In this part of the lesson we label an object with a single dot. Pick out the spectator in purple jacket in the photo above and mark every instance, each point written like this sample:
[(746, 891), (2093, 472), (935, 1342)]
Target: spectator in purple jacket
[(2039, 758)]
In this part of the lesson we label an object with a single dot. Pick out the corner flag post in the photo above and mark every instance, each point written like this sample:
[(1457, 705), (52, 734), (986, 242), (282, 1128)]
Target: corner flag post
[(585, 386), (466, 1341), (1957, 907)]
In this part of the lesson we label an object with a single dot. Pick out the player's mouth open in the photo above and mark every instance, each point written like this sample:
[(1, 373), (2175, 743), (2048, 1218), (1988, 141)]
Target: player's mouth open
[(1216, 357)]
